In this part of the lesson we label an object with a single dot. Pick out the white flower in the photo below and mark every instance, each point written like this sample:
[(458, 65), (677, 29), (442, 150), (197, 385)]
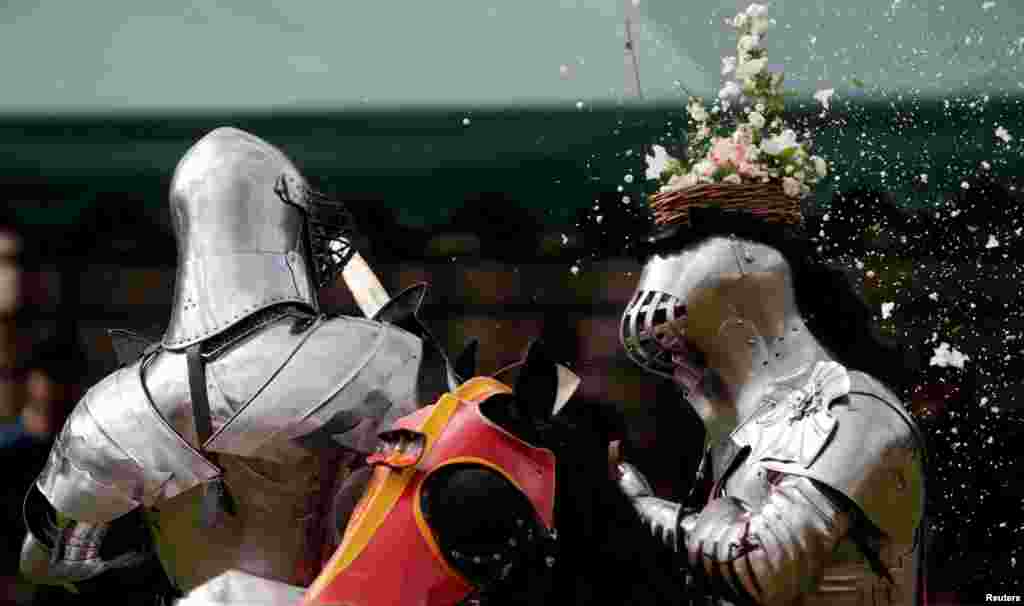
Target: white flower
[(748, 69), (824, 96), (731, 90), (820, 166), (728, 64), (733, 178), (760, 25), (791, 186), (697, 111), (1004, 134), (748, 43), (680, 182), (740, 21), (756, 10), (947, 356), (887, 310), (756, 120), (743, 135), (657, 163), (779, 143), (985, 6), (759, 107), (992, 242)]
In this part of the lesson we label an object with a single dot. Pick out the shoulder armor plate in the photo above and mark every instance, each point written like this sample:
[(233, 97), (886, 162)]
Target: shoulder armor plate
[(341, 368), (117, 452), (860, 443)]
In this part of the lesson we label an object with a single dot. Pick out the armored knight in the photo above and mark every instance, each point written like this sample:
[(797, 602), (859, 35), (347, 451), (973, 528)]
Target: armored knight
[(816, 471), (218, 448)]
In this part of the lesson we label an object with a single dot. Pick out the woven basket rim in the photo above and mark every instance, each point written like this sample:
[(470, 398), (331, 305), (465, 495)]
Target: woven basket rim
[(767, 199)]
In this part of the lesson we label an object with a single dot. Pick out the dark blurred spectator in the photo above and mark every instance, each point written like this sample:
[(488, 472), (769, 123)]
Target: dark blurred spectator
[(506, 231), (50, 387), (10, 296)]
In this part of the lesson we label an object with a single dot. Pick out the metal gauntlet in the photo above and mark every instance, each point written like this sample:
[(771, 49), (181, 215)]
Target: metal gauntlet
[(661, 516), (71, 551), (770, 556)]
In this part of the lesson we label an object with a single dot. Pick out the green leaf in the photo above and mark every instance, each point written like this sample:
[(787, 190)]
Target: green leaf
[(857, 82)]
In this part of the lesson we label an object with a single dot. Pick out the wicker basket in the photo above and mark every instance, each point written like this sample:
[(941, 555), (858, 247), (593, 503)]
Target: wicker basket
[(765, 200)]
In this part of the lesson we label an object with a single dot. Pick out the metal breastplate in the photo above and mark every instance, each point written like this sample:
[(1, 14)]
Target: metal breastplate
[(267, 537), (787, 438)]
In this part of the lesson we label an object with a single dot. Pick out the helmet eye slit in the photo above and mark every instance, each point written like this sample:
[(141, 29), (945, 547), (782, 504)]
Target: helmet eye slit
[(330, 227)]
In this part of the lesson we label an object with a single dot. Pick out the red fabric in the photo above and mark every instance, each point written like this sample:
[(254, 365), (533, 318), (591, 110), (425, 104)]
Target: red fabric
[(400, 565)]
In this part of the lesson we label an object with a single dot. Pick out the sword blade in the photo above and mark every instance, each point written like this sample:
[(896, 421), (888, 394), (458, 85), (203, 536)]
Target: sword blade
[(369, 294)]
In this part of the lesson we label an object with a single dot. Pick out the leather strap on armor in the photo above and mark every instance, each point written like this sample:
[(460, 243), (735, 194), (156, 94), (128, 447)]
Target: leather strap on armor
[(217, 501)]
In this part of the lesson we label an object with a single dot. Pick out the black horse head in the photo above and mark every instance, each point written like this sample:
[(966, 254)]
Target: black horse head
[(604, 553), (487, 526)]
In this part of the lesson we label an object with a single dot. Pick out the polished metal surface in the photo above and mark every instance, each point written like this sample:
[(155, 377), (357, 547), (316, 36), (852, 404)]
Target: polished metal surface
[(343, 367), (775, 531), (240, 247), (668, 283), (237, 588), (127, 446), (116, 452), (287, 388)]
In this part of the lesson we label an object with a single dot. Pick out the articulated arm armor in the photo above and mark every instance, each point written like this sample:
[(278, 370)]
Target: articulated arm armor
[(815, 502), (770, 556)]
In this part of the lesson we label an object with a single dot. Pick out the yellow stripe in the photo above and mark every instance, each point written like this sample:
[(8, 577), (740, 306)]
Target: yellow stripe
[(380, 500), (384, 492)]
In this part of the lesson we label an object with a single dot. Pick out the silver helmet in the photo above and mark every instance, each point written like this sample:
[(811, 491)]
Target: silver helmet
[(250, 234), (653, 324)]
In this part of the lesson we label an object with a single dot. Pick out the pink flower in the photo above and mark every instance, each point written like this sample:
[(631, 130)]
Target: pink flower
[(725, 152)]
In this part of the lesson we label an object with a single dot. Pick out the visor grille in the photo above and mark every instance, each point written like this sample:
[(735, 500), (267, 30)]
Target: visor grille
[(648, 310)]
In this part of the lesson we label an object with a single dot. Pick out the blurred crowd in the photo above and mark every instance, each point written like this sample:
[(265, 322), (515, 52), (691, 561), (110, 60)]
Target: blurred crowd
[(39, 383)]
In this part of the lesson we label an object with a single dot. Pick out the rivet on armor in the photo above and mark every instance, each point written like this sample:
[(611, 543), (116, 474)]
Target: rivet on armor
[(477, 559), (550, 561), (512, 542)]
